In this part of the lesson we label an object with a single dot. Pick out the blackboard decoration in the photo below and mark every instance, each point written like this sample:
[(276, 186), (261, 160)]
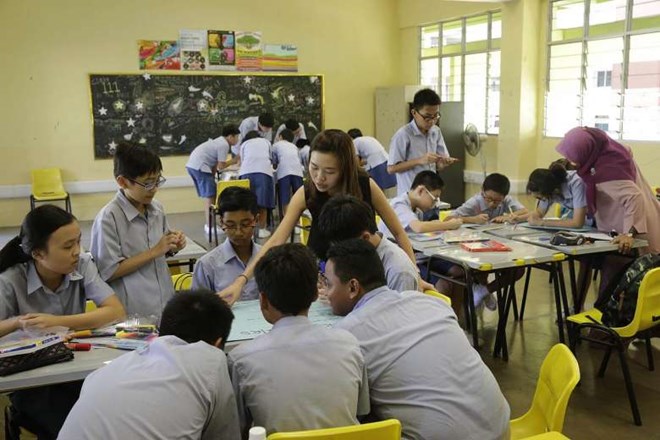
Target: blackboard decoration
[(173, 113)]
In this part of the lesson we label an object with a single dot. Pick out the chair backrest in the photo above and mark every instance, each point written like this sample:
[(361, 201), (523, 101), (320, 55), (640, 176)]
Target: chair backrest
[(386, 430), (445, 298), (182, 281), (46, 181), (224, 184), (305, 224), (559, 375), (648, 305)]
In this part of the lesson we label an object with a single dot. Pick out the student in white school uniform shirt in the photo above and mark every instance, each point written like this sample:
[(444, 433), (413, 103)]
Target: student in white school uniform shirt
[(299, 375), (418, 145), (346, 217), (263, 124), (289, 167), (421, 367), (296, 127), (176, 387), (238, 217), (208, 158), (373, 156)]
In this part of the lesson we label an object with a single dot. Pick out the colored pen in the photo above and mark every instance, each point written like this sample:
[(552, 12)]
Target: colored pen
[(79, 346)]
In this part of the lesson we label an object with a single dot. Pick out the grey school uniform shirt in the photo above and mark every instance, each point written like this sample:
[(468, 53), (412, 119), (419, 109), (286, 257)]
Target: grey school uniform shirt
[(422, 369), (299, 376), (120, 232), (400, 272), (170, 389), (21, 290), (476, 205)]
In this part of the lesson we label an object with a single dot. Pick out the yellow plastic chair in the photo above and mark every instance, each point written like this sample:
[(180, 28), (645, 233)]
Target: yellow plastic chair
[(559, 375), (47, 186), (305, 224), (386, 430), (443, 297), (182, 281), (213, 209), (89, 306), (553, 435), (647, 314)]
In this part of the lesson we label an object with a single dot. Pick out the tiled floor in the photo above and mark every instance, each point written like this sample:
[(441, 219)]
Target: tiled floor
[(598, 408)]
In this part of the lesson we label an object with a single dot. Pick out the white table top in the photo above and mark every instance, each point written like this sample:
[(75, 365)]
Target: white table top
[(193, 250), (599, 246)]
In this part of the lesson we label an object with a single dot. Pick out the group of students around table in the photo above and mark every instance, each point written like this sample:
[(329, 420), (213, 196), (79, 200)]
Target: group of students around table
[(396, 354)]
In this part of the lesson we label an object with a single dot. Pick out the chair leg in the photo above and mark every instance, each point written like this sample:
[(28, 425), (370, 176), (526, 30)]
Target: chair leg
[(629, 385), (208, 221), (67, 203), (528, 275), (649, 352), (31, 203), (605, 361)]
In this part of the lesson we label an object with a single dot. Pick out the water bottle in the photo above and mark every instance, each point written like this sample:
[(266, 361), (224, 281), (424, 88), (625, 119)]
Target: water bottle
[(257, 433)]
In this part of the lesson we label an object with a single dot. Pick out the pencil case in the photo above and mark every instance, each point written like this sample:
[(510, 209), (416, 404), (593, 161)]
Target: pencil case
[(51, 354)]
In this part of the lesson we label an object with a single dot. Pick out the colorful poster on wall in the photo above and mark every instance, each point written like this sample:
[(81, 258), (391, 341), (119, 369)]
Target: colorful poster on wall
[(222, 50), (248, 50), (194, 51), (159, 55), (280, 57)]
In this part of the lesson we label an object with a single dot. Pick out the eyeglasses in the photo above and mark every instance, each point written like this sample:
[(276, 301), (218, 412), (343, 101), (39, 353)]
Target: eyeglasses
[(242, 226), (150, 186), (491, 200), (429, 118)]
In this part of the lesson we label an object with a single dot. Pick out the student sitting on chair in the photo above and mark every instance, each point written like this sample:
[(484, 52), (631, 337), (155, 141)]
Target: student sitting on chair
[(296, 127), (299, 375), (131, 236), (373, 156), (44, 282), (255, 156), (289, 167), (208, 158), (421, 367), (345, 217), (238, 217), (176, 387)]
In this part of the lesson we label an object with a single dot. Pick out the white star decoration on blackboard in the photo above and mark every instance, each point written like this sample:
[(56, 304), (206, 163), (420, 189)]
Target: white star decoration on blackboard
[(313, 79), (118, 105), (143, 141), (103, 111), (112, 146), (139, 105), (309, 100), (147, 76), (130, 122), (291, 98), (247, 80)]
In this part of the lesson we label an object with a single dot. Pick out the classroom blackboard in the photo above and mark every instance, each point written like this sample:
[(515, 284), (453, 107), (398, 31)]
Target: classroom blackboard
[(173, 113)]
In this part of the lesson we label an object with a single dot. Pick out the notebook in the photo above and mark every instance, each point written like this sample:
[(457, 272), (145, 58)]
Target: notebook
[(485, 246), (463, 235)]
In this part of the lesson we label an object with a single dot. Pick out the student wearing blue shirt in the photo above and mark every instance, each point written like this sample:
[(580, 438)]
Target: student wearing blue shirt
[(373, 156), (289, 167), (131, 236), (217, 269), (208, 158), (45, 281), (418, 145)]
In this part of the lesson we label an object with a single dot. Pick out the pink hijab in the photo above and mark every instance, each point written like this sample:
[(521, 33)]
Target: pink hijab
[(599, 158)]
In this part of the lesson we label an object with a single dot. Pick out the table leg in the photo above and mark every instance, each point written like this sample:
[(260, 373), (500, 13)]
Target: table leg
[(574, 291), (555, 271), (472, 316)]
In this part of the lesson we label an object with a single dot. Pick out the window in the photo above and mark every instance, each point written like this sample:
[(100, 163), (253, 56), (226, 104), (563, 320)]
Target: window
[(461, 59), (604, 67)]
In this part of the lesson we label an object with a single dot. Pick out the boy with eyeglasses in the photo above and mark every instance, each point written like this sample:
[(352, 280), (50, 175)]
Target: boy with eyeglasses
[(418, 145), (219, 268), (131, 237)]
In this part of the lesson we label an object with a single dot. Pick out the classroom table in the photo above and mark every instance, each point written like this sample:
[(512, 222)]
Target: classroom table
[(188, 255), (248, 324), (503, 264)]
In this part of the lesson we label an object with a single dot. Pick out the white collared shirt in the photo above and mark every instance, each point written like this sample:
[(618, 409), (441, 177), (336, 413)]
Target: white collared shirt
[(369, 149), (255, 157), (287, 159), (206, 155)]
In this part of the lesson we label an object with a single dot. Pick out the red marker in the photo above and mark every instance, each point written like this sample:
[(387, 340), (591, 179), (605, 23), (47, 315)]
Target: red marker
[(79, 346)]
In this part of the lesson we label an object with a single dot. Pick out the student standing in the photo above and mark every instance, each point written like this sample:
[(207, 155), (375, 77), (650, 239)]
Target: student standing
[(374, 157), (289, 167), (299, 375), (177, 387), (422, 370), (303, 151), (208, 158), (131, 236), (255, 156), (44, 282), (418, 145), (296, 127), (263, 124)]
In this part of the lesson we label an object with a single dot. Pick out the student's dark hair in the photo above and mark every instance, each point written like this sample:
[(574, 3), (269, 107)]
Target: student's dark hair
[(339, 144), (345, 217), (287, 135), (301, 143), (133, 160), (291, 124), (497, 182), (357, 259), (355, 133), (425, 97), (251, 135), (567, 164), (430, 179), (230, 130), (287, 275), (547, 182), (267, 120), (236, 198), (36, 229), (198, 315)]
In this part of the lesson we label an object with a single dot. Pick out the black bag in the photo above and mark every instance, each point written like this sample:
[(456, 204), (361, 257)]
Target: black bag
[(565, 238), (51, 354), (622, 291)]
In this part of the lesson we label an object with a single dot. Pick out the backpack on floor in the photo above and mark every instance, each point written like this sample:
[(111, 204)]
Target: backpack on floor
[(619, 309)]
